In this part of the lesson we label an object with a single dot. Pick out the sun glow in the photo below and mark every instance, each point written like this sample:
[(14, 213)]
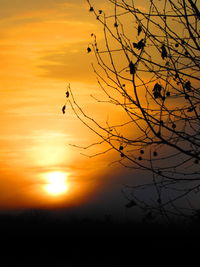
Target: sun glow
[(56, 183)]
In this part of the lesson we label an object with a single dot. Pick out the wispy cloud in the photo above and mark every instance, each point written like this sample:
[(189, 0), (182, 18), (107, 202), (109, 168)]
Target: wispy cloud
[(43, 44)]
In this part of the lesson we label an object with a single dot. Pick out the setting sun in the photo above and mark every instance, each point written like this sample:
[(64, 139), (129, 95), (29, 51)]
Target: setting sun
[(56, 183)]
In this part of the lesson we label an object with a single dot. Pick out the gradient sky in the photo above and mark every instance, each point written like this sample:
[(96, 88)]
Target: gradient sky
[(43, 48)]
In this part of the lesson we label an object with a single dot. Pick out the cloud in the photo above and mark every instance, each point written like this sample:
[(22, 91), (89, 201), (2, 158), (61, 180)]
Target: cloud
[(46, 38), (19, 10), (11, 8), (51, 35), (71, 63)]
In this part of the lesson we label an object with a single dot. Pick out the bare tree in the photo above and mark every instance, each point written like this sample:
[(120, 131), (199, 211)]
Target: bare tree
[(148, 67)]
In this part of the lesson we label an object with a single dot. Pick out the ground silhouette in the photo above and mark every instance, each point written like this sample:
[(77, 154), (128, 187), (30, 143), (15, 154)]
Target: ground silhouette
[(36, 238)]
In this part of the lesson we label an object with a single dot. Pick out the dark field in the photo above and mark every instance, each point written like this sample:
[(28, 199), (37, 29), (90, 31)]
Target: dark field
[(40, 240)]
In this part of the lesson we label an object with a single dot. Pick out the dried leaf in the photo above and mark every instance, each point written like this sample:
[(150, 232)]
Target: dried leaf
[(132, 67), (155, 154), (67, 94), (89, 49), (164, 52), (187, 86), (139, 29), (63, 109), (177, 76), (140, 45), (157, 90)]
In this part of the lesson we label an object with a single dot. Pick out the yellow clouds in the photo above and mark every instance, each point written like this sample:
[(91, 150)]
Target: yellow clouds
[(49, 33), (69, 63), (38, 32)]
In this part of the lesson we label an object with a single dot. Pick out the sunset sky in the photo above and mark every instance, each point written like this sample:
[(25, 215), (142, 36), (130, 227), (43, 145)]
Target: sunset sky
[(67, 194), (43, 48)]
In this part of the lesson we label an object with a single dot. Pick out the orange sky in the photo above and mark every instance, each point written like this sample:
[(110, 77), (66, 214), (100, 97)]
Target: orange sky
[(43, 47)]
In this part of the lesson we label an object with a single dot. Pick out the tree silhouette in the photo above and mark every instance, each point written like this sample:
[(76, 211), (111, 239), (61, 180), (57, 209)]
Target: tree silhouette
[(149, 67)]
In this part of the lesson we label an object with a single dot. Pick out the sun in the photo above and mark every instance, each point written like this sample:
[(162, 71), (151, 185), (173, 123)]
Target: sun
[(56, 183)]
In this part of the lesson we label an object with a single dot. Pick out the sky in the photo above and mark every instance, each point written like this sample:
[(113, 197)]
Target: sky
[(43, 48)]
